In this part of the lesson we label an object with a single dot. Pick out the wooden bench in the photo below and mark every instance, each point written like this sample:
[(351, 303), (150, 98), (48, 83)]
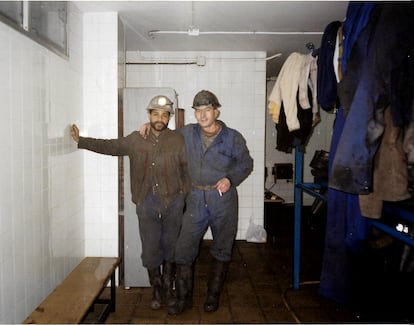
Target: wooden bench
[(71, 301)]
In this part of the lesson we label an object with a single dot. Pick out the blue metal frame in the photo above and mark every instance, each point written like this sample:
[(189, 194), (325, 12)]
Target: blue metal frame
[(300, 187), (400, 212)]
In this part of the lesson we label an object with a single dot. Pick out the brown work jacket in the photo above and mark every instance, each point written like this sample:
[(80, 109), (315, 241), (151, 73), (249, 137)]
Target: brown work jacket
[(157, 164)]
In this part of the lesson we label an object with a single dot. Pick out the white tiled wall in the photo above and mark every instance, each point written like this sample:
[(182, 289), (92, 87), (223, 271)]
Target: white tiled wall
[(239, 81), (41, 174), (100, 120)]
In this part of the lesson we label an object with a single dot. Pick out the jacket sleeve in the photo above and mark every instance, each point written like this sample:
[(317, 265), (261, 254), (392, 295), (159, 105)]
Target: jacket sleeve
[(243, 162), (112, 147)]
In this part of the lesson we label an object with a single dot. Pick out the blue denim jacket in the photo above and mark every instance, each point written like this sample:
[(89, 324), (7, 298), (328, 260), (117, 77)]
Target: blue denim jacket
[(228, 156)]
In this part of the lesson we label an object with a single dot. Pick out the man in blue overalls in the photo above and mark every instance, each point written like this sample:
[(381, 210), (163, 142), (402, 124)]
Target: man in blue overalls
[(218, 161)]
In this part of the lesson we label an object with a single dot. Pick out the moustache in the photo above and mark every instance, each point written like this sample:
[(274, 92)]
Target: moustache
[(159, 124)]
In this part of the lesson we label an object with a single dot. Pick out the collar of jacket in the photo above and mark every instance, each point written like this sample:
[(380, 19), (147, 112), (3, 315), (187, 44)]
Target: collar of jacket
[(152, 137), (222, 124)]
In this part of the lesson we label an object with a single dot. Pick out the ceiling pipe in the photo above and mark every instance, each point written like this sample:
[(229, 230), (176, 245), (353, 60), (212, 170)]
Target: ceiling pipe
[(196, 32), (200, 60)]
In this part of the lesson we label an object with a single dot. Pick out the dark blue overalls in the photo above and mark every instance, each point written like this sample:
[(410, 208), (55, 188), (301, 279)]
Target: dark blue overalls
[(229, 157)]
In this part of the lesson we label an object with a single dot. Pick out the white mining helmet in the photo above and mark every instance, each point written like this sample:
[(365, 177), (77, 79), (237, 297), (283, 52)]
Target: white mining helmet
[(161, 102)]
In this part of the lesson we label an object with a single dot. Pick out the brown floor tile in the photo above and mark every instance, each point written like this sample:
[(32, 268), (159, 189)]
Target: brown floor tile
[(304, 297), (131, 296), (312, 315), (122, 315), (189, 316), (258, 289), (268, 287), (247, 314), (143, 314), (270, 300), (243, 300), (240, 287), (278, 315), (221, 316), (224, 299), (258, 279)]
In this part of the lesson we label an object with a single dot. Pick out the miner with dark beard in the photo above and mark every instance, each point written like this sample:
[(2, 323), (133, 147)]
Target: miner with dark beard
[(159, 183)]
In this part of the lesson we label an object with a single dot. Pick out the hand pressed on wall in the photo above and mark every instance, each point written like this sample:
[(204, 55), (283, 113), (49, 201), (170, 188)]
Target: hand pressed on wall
[(74, 132)]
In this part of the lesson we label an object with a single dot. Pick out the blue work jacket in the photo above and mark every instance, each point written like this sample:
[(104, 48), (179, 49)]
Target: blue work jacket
[(228, 156)]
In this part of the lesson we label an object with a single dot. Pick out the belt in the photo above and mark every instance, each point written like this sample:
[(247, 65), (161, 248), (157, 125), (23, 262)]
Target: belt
[(204, 187)]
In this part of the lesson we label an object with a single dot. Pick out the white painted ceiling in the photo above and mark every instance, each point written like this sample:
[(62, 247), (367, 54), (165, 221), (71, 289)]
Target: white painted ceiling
[(271, 26)]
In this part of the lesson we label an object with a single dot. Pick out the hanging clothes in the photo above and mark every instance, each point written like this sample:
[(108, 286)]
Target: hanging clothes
[(402, 94), (408, 142), (308, 82), (365, 91), (286, 140), (345, 226), (327, 81), (390, 171), (293, 102), (346, 229), (296, 75)]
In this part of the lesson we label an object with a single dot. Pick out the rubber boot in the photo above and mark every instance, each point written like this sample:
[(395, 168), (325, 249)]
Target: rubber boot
[(168, 277), (184, 287), (156, 284), (216, 279)]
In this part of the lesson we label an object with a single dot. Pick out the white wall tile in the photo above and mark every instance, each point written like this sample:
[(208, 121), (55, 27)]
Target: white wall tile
[(100, 61), (36, 109)]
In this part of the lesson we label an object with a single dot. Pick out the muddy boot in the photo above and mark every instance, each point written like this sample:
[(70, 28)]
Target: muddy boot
[(184, 287), (215, 284), (156, 284), (168, 277)]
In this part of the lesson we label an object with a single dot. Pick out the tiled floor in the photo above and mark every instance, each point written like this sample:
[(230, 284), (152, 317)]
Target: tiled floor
[(258, 286)]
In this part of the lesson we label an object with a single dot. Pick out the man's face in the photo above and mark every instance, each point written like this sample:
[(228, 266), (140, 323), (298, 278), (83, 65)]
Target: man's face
[(206, 115), (159, 119)]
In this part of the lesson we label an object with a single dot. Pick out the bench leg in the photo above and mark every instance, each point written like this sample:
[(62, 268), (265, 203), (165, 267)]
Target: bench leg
[(109, 303), (113, 293)]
